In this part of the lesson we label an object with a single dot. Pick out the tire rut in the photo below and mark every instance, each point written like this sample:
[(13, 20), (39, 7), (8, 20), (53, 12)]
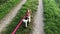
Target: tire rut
[(8, 18)]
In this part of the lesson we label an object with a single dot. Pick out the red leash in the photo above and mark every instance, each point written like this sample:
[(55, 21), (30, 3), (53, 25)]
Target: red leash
[(19, 24), (17, 27)]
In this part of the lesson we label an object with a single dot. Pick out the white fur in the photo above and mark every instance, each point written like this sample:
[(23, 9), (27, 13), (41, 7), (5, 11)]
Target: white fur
[(29, 19), (25, 21)]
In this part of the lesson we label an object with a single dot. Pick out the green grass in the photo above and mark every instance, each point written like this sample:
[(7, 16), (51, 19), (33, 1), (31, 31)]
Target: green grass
[(3, 1), (32, 4), (58, 3), (7, 6), (52, 17)]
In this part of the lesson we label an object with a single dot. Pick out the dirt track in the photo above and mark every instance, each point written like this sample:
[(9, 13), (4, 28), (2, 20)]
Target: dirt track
[(8, 18), (38, 20)]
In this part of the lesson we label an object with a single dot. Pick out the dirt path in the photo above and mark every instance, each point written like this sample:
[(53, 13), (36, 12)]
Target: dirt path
[(38, 20), (8, 18)]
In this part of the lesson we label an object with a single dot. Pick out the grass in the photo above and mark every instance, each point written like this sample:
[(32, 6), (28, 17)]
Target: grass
[(58, 3), (7, 6), (32, 4), (52, 17), (3, 1)]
